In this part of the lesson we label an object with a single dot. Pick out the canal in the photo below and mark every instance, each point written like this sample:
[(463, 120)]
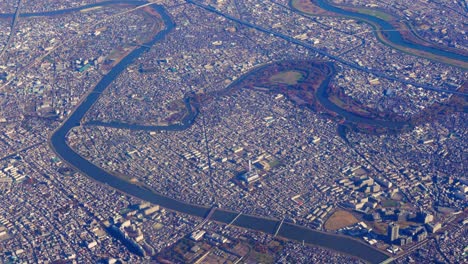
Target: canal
[(58, 142)]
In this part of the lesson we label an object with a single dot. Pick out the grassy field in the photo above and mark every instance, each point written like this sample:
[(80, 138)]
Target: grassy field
[(374, 13), (340, 219), (380, 228), (307, 6), (287, 77), (257, 257), (390, 203)]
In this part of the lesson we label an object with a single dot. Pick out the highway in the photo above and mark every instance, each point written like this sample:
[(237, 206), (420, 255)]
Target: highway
[(288, 230), (285, 229), (447, 226), (13, 28), (321, 52)]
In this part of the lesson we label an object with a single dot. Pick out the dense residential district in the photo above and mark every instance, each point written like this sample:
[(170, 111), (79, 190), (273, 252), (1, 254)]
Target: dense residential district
[(183, 120)]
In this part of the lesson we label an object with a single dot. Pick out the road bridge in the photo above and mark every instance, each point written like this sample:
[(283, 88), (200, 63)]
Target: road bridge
[(207, 217)]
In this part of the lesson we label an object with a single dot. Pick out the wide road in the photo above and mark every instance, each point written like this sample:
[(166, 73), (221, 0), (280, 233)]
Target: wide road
[(13, 28), (58, 143), (321, 52)]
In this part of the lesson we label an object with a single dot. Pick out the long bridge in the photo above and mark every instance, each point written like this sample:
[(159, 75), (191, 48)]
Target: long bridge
[(233, 220), (207, 217)]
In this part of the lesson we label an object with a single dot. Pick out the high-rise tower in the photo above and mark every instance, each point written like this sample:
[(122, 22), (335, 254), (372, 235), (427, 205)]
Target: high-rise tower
[(392, 231)]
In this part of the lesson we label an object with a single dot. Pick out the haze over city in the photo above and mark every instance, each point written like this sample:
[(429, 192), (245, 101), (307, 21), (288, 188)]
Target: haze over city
[(233, 131)]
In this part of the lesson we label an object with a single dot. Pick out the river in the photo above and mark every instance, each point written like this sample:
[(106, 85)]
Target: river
[(391, 33), (288, 230)]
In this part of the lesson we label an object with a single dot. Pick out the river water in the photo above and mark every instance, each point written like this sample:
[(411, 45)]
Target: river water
[(58, 142), (391, 33)]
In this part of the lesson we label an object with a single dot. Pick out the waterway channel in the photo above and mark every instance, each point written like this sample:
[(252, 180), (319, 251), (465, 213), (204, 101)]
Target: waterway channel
[(58, 142), (391, 34)]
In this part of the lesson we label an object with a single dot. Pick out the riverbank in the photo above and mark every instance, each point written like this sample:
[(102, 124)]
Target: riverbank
[(61, 148), (385, 31)]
